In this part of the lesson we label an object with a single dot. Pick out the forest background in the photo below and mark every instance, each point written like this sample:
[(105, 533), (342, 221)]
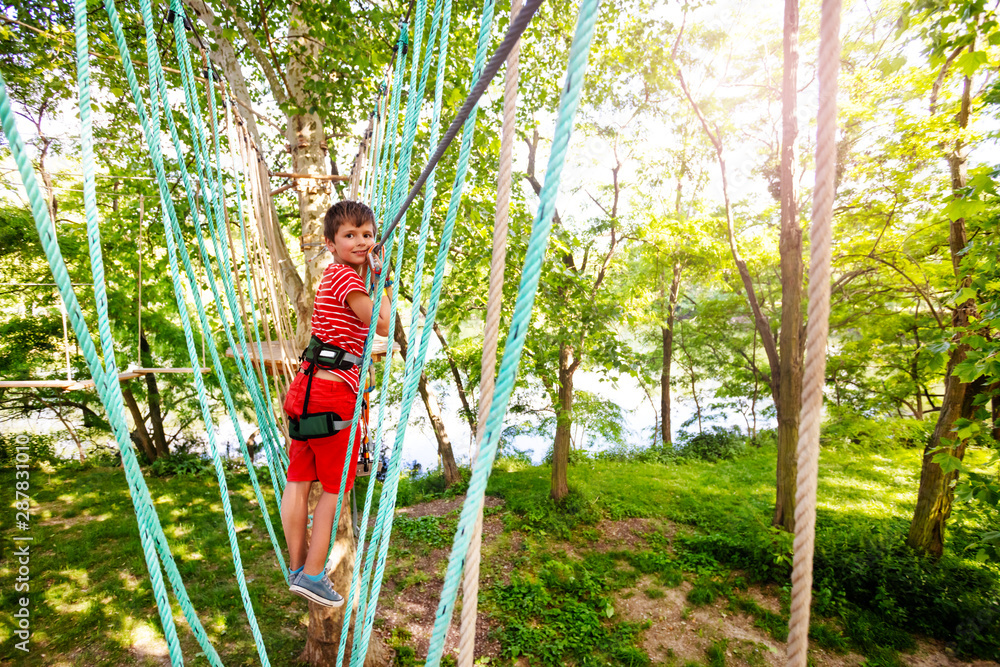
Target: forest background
[(676, 266)]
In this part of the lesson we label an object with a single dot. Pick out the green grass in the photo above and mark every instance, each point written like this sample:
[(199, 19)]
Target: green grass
[(89, 587), (92, 601)]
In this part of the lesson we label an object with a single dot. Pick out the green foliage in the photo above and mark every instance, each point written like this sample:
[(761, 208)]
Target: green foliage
[(416, 488), (564, 614), (716, 653), (891, 586), (181, 463), (714, 444), (844, 426), (434, 531), (702, 593), (40, 448), (544, 516), (774, 624), (638, 454), (659, 563), (873, 633), (828, 637)]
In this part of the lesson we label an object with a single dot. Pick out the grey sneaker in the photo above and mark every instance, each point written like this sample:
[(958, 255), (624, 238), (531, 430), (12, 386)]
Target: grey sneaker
[(320, 592), (292, 580)]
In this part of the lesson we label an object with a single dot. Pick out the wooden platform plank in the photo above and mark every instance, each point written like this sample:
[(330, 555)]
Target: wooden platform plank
[(76, 385), (36, 384)]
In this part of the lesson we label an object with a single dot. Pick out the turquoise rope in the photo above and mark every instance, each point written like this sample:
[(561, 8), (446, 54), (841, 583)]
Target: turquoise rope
[(247, 375), (174, 238), (537, 244), (414, 364), (100, 293), (254, 387), (150, 532), (392, 120), (410, 131), (370, 338), (412, 115), (240, 185), (215, 217), (269, 430)]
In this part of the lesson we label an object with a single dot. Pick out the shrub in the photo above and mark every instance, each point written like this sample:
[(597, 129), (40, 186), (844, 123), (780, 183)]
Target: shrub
[(890, 585), (625, 453), (713, 444), (545, 516), (563, 616), (761, 553), (180, 463), (40, 448)]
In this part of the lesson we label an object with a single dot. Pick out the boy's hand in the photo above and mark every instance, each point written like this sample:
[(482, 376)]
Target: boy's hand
[(375, 261)]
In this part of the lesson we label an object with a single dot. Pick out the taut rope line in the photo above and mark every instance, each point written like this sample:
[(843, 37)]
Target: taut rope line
[(817, 327), (512, 37), (491, 334)]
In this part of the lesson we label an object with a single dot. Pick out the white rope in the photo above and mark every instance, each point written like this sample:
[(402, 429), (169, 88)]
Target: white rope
[(817, 327), (359, 160), (491, 335)]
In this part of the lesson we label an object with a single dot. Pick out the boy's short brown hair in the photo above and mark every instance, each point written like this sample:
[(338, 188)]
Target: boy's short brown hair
[(343, 212)]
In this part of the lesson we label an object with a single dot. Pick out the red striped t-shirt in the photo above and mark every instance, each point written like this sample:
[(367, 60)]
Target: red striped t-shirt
[(334, 322)]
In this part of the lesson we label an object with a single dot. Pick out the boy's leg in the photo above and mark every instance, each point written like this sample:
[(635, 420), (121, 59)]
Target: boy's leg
[(294, 516), (319, 543)]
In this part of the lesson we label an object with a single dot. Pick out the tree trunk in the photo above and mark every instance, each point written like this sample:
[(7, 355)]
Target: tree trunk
[(140, 435), (448, 465), (224, 56), (463, 397), (307, 143), (153, 397), (564, 423), (790, 246), (995, 413), (668, 353), (323, 636), (936, 492), (934, 497)]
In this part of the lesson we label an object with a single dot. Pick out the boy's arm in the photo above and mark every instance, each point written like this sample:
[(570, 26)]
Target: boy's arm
[(361, 304)]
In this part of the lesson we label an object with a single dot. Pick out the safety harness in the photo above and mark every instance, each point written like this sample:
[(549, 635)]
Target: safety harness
[(320, 355)]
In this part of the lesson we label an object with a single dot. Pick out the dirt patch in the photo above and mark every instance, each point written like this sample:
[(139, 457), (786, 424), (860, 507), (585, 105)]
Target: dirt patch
[(679, 632), (414, 589), (69, 522), (934, 653), (444, 506), (628, 533)]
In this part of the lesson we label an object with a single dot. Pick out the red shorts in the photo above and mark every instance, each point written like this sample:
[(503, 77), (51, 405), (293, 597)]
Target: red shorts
[(322, 458)]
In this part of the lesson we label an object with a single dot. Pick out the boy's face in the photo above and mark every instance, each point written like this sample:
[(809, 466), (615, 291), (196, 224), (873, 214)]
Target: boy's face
[(350, 244)]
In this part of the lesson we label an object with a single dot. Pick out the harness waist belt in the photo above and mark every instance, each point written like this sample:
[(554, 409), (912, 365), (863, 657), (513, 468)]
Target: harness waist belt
[(329, 357), (319, 425)]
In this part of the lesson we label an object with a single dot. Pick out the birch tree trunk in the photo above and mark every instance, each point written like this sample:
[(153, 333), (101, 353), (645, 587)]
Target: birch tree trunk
[(309, 151)]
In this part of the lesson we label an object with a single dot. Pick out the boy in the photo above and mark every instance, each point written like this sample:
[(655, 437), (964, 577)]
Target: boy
[(320, 401)]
